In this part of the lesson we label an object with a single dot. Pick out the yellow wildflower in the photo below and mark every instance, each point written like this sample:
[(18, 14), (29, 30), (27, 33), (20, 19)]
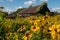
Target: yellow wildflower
[(53, 34), (35, 28), (27, 36), (58, 30), (53, 31), (22, 28), (58, 26), (9, 35), (16, 37), (52, 27), (44, 30)]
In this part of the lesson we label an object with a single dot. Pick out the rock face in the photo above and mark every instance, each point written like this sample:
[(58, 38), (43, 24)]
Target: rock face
[(34, 10)]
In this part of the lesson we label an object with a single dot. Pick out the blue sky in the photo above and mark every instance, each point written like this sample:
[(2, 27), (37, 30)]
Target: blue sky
[(10, 5)]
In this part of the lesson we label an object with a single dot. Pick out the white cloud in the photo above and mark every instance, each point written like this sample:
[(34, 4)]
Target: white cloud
[(55, 9), (8, 10), (33, 0), (10, 0), (44, 0), (20, 7), (30, 2)]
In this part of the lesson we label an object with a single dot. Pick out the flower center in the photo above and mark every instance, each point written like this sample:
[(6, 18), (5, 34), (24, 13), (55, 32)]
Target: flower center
[(22, 27), (34, 27), (28, 35)]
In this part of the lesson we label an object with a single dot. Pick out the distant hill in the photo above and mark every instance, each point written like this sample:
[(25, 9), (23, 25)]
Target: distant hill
[(35, 10)]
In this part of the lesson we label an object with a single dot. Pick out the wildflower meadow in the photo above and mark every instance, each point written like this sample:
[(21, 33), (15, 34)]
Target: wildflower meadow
[(31, 28)]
